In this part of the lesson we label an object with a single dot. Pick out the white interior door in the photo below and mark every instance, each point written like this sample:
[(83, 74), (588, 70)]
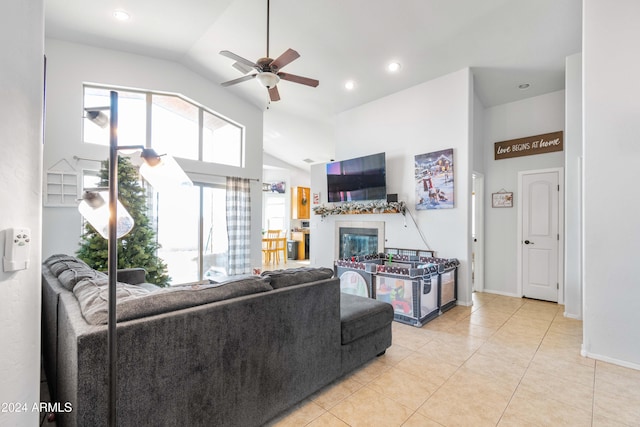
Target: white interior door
[(540, 235)]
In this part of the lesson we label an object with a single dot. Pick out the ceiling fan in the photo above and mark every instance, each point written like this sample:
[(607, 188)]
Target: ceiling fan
[(268, 70)]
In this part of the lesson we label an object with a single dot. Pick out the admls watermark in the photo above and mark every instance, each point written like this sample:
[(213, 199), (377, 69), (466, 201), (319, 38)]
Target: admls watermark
[(14, 407)]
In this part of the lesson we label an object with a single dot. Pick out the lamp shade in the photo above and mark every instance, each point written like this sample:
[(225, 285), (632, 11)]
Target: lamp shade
[(95, 209), (98, 117), (163, 172)]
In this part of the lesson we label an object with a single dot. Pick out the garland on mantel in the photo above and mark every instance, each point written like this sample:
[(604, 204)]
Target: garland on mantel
[(351, 208)]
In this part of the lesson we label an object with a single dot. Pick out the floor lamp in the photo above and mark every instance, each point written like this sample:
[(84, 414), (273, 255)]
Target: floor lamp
[(160, 170)]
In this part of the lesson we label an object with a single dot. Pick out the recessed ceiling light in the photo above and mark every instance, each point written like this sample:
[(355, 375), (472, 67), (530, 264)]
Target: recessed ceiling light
[(393, 67), (350, 85), (524, 86), (121, 15)]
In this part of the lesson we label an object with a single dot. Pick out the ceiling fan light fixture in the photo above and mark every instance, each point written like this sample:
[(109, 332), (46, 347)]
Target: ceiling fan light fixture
[(268, 79), (268, 69)]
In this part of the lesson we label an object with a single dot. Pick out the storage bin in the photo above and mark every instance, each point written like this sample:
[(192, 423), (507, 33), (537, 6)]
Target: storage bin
[(292, 249)]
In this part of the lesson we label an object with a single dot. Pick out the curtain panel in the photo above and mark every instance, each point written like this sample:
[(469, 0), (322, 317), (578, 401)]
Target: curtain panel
[(239, 225)]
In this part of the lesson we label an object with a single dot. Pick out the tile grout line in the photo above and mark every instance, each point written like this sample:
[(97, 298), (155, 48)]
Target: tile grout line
[(470, 356), (528, 364)]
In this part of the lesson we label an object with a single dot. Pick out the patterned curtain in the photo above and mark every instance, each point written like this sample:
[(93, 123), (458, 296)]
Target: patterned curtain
[(239, 225)]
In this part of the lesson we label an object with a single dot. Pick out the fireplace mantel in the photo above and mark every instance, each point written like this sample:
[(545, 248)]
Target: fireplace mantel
[(354, 208)]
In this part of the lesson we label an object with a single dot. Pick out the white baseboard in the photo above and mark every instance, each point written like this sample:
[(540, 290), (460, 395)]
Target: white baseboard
[(608, 359), (505, 294), (572, 316)]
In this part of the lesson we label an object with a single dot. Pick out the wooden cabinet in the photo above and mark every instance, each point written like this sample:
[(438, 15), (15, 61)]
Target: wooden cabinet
[(300, 202)]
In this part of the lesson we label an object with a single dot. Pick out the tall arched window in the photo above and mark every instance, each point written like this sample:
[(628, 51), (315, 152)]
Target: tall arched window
[(190, 223)]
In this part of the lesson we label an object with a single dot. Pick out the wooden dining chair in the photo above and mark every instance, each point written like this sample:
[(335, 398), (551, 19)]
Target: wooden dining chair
[(269, 246), (281, 246)]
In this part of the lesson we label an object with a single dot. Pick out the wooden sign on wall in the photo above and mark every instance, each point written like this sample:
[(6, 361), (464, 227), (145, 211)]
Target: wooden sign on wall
[(539, 144)]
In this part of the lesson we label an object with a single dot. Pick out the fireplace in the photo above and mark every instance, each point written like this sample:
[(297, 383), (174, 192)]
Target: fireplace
[(356, 238)]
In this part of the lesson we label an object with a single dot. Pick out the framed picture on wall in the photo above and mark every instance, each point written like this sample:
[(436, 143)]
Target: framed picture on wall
[(502, 200), (274, 187), (434, 180)]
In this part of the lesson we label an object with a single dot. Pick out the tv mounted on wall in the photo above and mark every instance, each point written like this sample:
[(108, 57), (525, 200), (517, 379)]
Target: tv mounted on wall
[(362, 178)]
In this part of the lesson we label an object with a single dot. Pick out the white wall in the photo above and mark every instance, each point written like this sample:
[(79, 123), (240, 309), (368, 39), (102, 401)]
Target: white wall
[(611, 158), (275, 170), (478, 135), (532, 116), (432, 116), (284, 132), (21, 94), (70, 65), (573, 188)]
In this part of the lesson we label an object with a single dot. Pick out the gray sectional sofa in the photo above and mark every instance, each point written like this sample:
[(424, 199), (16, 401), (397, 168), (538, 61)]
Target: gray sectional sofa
[(233, 354)]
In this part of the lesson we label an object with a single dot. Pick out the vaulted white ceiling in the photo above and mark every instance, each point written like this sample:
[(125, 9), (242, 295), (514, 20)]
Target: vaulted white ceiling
[(505, 42)]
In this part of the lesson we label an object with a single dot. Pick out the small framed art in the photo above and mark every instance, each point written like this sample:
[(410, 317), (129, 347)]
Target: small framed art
[(502, 200)]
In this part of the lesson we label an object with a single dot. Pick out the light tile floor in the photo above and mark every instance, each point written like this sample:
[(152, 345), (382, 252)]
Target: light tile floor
[(503, 362), (289, 263)]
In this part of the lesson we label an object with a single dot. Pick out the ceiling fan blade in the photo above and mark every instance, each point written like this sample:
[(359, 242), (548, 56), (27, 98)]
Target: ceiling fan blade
[(289, 56), (298, 79), (239, 59), (242, 68), (274, 95), (238, 80)]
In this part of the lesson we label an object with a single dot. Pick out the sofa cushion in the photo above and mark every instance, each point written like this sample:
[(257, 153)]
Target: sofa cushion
[(149, 286), (59, 266), (359, 316), (179, 297), (134, 302), (297, 276), (133, 276), (70, 277), (93, 295)]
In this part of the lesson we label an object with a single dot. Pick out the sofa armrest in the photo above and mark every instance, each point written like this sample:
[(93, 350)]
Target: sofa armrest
[(132, 276)]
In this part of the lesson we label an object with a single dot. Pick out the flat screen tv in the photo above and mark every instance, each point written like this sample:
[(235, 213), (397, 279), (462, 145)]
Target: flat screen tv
[(362, 178)]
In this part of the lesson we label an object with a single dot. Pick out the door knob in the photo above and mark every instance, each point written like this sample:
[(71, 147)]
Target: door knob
[(527, 242)]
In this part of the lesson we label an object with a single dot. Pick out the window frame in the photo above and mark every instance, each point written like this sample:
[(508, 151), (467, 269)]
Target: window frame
[(241, 155)]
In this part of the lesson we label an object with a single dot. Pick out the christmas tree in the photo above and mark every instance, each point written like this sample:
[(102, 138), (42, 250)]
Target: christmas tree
[(139, 247)]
